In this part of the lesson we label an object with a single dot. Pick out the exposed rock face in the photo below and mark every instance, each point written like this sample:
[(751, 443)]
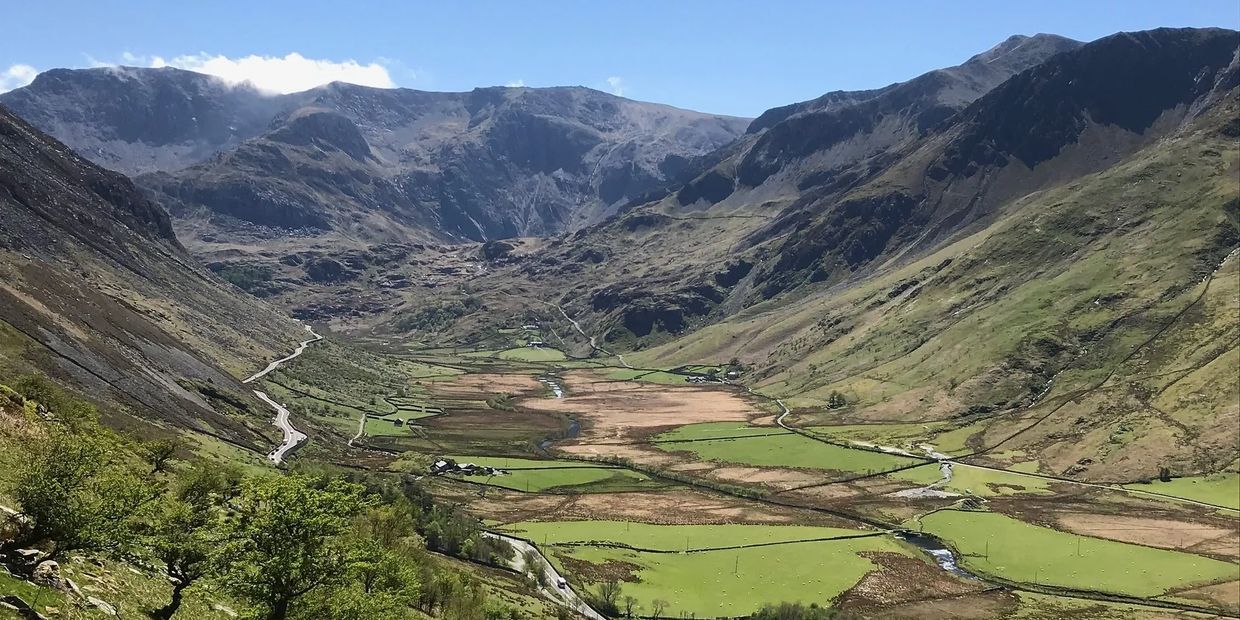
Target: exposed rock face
[(387, 164), (815, 140), (962, 171), (140, 120), (73, 234)]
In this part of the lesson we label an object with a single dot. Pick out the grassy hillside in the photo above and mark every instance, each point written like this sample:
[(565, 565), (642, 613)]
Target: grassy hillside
[(1096, 302)]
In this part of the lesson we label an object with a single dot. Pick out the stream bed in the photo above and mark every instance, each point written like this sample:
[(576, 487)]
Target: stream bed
[(938, 551)]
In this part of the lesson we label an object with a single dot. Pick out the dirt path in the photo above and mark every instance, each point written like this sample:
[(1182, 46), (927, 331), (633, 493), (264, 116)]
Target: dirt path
[(292, 436)]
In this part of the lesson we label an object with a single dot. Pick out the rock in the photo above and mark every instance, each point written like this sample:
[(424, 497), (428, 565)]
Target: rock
[(17, 604), (47, 573), (72, 588), (32, 556), (102, 605)]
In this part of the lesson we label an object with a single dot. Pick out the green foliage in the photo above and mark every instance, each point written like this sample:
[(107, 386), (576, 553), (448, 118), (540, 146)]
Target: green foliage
[(184, 533), (77, 491), (67, 408), (286, 540), (837, 400), (795, 611), (249, 278), (435, 318)]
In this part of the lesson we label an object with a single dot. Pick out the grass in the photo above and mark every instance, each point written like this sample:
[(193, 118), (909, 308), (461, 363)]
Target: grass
[(978, 481), (714, 583), (532, 354), (648, 376), (789, 450), (668, 537), (1218, 489), (384, 427), (999, 545), (716, 430), (537, 476)]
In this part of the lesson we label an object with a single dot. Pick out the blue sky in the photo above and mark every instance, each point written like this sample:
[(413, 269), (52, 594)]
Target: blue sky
[(722, 56)]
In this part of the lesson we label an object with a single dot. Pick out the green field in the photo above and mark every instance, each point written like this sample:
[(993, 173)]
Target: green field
[(531, 354), (942, 436), (649, 376), (669, 537), (1218, 489), (550, 476), (782, 450), (722, 582), (999, 545), (968, 480), (716, 430)]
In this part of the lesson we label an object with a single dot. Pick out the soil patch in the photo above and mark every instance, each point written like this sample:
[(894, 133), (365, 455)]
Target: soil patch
[(901, 579), (611, 409)]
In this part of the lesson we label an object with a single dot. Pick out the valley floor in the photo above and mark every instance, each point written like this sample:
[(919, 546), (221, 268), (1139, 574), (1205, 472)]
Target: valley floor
[(706, 499)]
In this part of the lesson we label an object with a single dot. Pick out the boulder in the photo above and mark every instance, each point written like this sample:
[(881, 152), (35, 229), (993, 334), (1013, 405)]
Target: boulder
[(47, 573)]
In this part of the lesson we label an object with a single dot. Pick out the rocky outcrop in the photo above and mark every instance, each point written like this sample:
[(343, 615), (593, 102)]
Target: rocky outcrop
[(393, 164)]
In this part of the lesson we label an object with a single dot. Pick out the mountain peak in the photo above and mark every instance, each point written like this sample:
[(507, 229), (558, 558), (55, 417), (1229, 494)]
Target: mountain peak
[(323, 128)]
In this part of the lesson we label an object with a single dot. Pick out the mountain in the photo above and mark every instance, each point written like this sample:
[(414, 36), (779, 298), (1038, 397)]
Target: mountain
[(96, 291), (142, 120), (811, 141), (372, 164), (1023, 257)]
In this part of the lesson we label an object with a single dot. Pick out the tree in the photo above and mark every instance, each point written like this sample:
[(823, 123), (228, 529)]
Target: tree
[(836, 400), (795, 611), (535, 568), (181, 538), (630, 604), (609, 594), (657, 607), (286, 540), (158, 452), (184, 532), (77, 492)]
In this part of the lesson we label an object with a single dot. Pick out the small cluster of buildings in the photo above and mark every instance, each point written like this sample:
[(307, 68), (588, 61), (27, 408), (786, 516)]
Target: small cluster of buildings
[(449, 466)]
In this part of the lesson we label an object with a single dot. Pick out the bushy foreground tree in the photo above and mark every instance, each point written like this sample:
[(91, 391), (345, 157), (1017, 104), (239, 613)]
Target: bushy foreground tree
[(77, 493)]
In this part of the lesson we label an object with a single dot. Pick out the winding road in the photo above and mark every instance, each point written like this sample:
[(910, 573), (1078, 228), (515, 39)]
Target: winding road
[(593, 345), (292, 436), (565, 596)]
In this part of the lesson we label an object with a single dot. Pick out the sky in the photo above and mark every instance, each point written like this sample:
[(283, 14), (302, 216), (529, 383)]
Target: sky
[(721, 56)]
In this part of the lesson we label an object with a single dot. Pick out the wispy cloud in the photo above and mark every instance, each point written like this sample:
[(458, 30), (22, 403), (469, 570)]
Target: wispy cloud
[(16, 76), (515, 84), (281, 74), (617, 85)]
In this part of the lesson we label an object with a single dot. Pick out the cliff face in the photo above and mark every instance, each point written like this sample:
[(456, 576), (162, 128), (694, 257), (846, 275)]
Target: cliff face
[(96, 291)]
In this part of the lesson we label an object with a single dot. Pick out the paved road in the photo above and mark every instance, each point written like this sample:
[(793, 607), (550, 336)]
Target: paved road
[(292, 436), (565, 596)]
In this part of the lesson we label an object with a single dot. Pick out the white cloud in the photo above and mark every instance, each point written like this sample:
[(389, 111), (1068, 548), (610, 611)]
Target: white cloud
[(287, 74), (617, 85), (515, 84), (17, 76)]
